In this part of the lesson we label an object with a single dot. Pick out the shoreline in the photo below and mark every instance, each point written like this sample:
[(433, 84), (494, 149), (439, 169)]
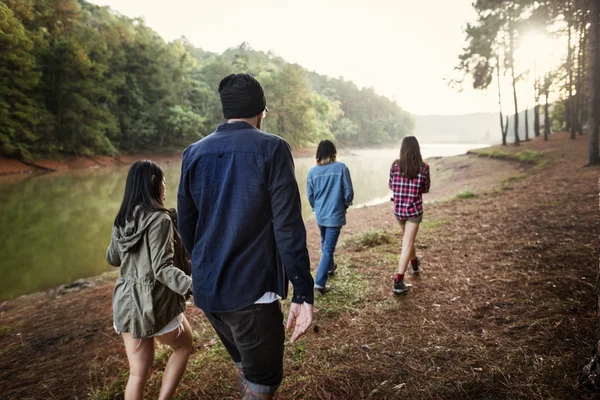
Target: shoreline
[(20, 169)]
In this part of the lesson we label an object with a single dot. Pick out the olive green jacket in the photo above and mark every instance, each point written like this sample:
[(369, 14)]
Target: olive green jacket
[(154, 277)]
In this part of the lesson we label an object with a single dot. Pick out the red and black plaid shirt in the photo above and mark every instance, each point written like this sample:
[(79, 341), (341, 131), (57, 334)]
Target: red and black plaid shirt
[(408, 199)]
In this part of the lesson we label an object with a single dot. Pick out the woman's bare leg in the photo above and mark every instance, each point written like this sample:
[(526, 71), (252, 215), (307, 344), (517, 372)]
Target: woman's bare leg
[(181, 343), (408, 245), (140, 353)]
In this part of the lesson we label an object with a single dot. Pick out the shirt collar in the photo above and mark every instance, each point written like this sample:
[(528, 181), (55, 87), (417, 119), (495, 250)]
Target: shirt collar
[(234, 126)]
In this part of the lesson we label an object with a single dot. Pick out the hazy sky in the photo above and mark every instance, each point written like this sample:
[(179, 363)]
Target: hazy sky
[(405, 49)]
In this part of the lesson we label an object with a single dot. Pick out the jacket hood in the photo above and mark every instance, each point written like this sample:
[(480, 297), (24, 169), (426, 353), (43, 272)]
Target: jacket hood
[(129, 237)]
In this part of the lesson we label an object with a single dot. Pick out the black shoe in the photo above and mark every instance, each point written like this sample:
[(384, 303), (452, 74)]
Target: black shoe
[(331, 272), (416, 268), (322, 290), (400, 287)]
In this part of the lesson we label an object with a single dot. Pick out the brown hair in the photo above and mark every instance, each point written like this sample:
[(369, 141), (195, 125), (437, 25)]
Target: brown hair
[(410, 157), (326, 152)]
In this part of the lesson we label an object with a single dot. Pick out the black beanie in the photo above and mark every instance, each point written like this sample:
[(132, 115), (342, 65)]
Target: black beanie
[(241, 96)]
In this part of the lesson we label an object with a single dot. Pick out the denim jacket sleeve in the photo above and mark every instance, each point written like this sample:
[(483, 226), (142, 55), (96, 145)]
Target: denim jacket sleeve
[(160, 242), (310, 191), (348, 189), (290, 233)]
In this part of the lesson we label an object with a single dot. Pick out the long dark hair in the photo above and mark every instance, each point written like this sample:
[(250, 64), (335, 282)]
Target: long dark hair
[(326, 152), (410, 157), (141, 189)]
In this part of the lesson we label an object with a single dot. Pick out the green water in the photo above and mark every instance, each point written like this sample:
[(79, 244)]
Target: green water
[(54, 228)]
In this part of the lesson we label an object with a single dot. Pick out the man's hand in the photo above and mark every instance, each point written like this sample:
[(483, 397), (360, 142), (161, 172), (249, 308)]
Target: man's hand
[(300, 318)]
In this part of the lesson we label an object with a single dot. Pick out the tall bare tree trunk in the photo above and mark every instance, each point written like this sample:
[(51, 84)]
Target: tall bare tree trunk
[(594, 96), (567, 107), (500, 103), (502, 129), (546, 107), (571, 106), (582, 71), (536, 108), (526, 123), (511, 55), (590, 376)]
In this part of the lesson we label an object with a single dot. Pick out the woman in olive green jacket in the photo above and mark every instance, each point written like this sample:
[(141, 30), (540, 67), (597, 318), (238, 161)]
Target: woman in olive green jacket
[(154, 280)]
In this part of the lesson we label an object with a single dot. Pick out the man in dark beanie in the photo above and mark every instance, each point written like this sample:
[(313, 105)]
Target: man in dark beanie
[(240, 220)]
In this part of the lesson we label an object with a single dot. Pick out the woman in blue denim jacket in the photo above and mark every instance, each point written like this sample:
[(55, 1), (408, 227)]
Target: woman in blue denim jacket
[(330, 193)]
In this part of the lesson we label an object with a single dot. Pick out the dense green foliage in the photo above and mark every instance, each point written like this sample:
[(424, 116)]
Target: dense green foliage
[(76, 78)]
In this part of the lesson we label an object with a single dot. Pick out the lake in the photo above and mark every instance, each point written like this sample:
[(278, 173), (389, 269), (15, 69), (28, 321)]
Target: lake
[(54, 228)]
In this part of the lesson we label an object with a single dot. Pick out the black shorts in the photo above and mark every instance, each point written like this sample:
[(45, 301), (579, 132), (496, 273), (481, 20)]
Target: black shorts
[(254, 338)]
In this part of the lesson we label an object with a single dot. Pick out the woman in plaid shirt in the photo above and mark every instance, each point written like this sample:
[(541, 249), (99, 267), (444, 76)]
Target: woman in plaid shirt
[(409, 179)]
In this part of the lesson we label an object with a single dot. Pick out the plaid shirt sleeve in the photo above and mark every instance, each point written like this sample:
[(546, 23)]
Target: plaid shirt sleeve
[(426, 178), (391, 181)]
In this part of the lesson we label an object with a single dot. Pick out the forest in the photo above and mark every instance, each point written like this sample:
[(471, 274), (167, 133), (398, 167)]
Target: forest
[(570, 85), (80, 79)]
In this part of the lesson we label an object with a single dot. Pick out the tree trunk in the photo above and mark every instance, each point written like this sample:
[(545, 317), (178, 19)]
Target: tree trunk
[(514, 85), (590, 376), (571, 111), (500, 103), (567, 106), (514, 80), (546, 120), (505, 132), (546, 113), (594, 96), (502, 129), (582, 71), (526, 124), (536, 120), (536, 108)]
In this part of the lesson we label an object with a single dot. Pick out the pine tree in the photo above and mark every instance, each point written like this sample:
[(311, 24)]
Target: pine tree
[(19, 78)]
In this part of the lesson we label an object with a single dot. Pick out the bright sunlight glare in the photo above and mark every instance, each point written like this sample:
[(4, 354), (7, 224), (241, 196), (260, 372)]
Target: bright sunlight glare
[(536, 53)]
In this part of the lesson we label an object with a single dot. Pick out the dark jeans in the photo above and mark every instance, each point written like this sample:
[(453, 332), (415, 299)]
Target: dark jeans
[(329, 239), (254, 337)]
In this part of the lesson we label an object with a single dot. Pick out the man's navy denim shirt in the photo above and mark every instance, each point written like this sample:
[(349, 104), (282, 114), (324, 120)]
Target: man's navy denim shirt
[(240, 219)]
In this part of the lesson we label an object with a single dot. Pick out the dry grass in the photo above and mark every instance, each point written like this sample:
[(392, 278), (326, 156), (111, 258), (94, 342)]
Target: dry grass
[(366, 240), (466, 194)]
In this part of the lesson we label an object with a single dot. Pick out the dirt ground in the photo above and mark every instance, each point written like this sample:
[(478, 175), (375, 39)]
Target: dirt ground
[(504, 308)]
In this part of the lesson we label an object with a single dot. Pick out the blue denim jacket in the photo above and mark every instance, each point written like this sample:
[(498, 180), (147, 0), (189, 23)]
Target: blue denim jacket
[(330, 193), (240, 219)]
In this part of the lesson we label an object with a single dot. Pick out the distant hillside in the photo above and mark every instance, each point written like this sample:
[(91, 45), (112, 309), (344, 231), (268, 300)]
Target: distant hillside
[(467, 128), (92, 81)]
